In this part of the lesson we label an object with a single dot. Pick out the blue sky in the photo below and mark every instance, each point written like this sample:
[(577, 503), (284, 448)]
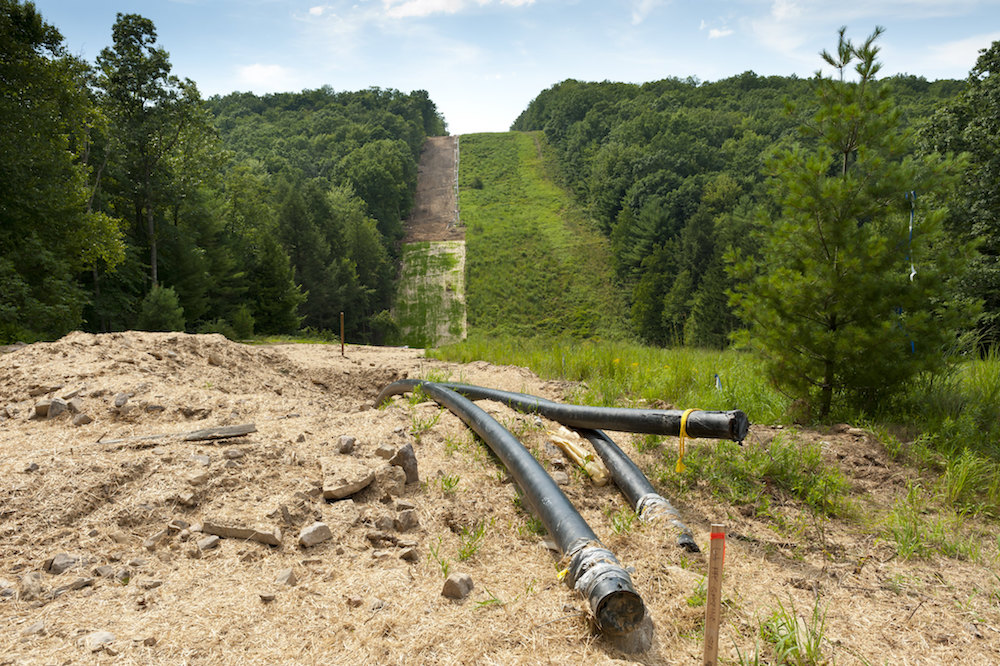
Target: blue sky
[(483, 61)]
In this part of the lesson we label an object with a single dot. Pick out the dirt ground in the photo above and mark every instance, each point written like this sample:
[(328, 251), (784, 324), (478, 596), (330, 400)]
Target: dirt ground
[(120, 500), (435, 210)]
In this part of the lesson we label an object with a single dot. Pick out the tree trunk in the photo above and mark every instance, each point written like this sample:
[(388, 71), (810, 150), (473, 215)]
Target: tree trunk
[(826, 395), (151, 230)]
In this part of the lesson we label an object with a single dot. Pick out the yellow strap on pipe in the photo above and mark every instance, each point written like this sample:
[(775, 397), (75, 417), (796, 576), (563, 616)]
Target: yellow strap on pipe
[(681, 438)]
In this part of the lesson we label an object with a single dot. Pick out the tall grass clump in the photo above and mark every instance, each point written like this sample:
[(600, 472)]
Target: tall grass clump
[(621, 373)]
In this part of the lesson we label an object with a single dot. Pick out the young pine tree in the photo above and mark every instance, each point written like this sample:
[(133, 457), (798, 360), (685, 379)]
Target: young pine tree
[(845, 301)]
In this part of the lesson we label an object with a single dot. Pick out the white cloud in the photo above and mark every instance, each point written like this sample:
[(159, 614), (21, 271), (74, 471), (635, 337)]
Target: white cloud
[(961, 53), (421, 8), (784, 10), (716, 33), (262, 78), (317, 11), (643, 8)]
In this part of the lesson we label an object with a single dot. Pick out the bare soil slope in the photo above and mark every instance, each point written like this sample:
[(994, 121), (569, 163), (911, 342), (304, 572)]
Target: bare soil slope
[(435, 211), (111, 503)]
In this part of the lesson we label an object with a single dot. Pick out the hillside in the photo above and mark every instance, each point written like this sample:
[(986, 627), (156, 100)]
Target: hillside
[(120, 501)]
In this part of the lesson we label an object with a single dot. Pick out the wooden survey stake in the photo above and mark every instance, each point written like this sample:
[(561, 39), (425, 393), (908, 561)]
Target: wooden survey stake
[(713, 601)]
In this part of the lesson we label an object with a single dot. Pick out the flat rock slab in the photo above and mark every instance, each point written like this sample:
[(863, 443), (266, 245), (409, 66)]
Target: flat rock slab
[(344, 476), (223, 432), (272, 538)]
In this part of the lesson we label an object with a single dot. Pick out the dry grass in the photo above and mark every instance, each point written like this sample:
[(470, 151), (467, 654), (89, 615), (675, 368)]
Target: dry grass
[(354, 605)]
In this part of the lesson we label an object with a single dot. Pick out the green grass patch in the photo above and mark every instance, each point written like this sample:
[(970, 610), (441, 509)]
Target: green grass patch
[(620, 373), (430, 302), (536, 265)]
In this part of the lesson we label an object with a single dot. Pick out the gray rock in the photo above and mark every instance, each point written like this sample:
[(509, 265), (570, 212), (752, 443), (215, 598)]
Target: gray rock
[(75, 405), (346, 444), (457, 586), (121, 399), (199, 479), (403, 505), (315, 534), (216, 360), (386, 451), (98, 640), (561, 478), (42, 408), (202, 460), (153, 540), (406, 520), (409, 555), (272, 538), (104, 571), (406, 459), (56, 407), (30, 587), (82, 419), (62, 562), (385, 523), (391, 480), (208, 542), (178, 525), (287, 577), (31, 467), (344, 476), (267, 597), (37, 628), (77, 584), (233, 454), (150, 584)]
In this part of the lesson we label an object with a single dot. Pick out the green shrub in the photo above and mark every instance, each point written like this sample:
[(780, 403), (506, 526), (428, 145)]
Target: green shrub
[(161, 311)]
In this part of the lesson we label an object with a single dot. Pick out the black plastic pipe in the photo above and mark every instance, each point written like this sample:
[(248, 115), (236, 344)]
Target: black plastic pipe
[(646, 502), (700, 424), (593, 570)]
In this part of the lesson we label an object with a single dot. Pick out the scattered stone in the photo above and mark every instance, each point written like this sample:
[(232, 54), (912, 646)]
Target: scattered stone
[(155, 408), (354, 602), (153, 540), (119, 537), (187, 499), (385, 523), (314, 534), (104, 571), (406, 520), (121, 399), (457, 586), (36, 391), (301, 438), (61, 562), (409, 555), (857, 432), (123, 576), (178, 525), (233, 454), (377, 538), (149, 641), (208, 542), (267, 597), (391, 479), (406, 459), (380, 554), (150, 584), (272, 538), (215, 359), (561, 478), (346, 444), (77, 584), (37, 628), (138, 562), (230, 464), (82, 419), (386, 451), (75, 405), (30, 587), (287, 577), (404, 505), (199, 479), (32, 467), (42, 408), (344, 476), (98, 640), (202, 460), (222, 432)]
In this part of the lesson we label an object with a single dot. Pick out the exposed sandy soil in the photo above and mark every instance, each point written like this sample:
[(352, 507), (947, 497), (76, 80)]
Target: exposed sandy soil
[(99, 500), (435, 211)]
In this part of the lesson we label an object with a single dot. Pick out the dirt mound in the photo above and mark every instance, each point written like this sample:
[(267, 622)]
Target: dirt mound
[(127, 539)]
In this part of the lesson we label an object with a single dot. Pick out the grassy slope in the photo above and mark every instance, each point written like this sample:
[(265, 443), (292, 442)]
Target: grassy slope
[(430, 305), (535, 263)]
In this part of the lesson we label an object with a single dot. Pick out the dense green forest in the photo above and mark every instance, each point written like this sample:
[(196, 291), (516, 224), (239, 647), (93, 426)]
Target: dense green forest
[(674, 172), (128, 201)]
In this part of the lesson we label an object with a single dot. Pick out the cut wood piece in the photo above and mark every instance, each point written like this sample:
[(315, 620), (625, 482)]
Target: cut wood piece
[(222, 432)]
